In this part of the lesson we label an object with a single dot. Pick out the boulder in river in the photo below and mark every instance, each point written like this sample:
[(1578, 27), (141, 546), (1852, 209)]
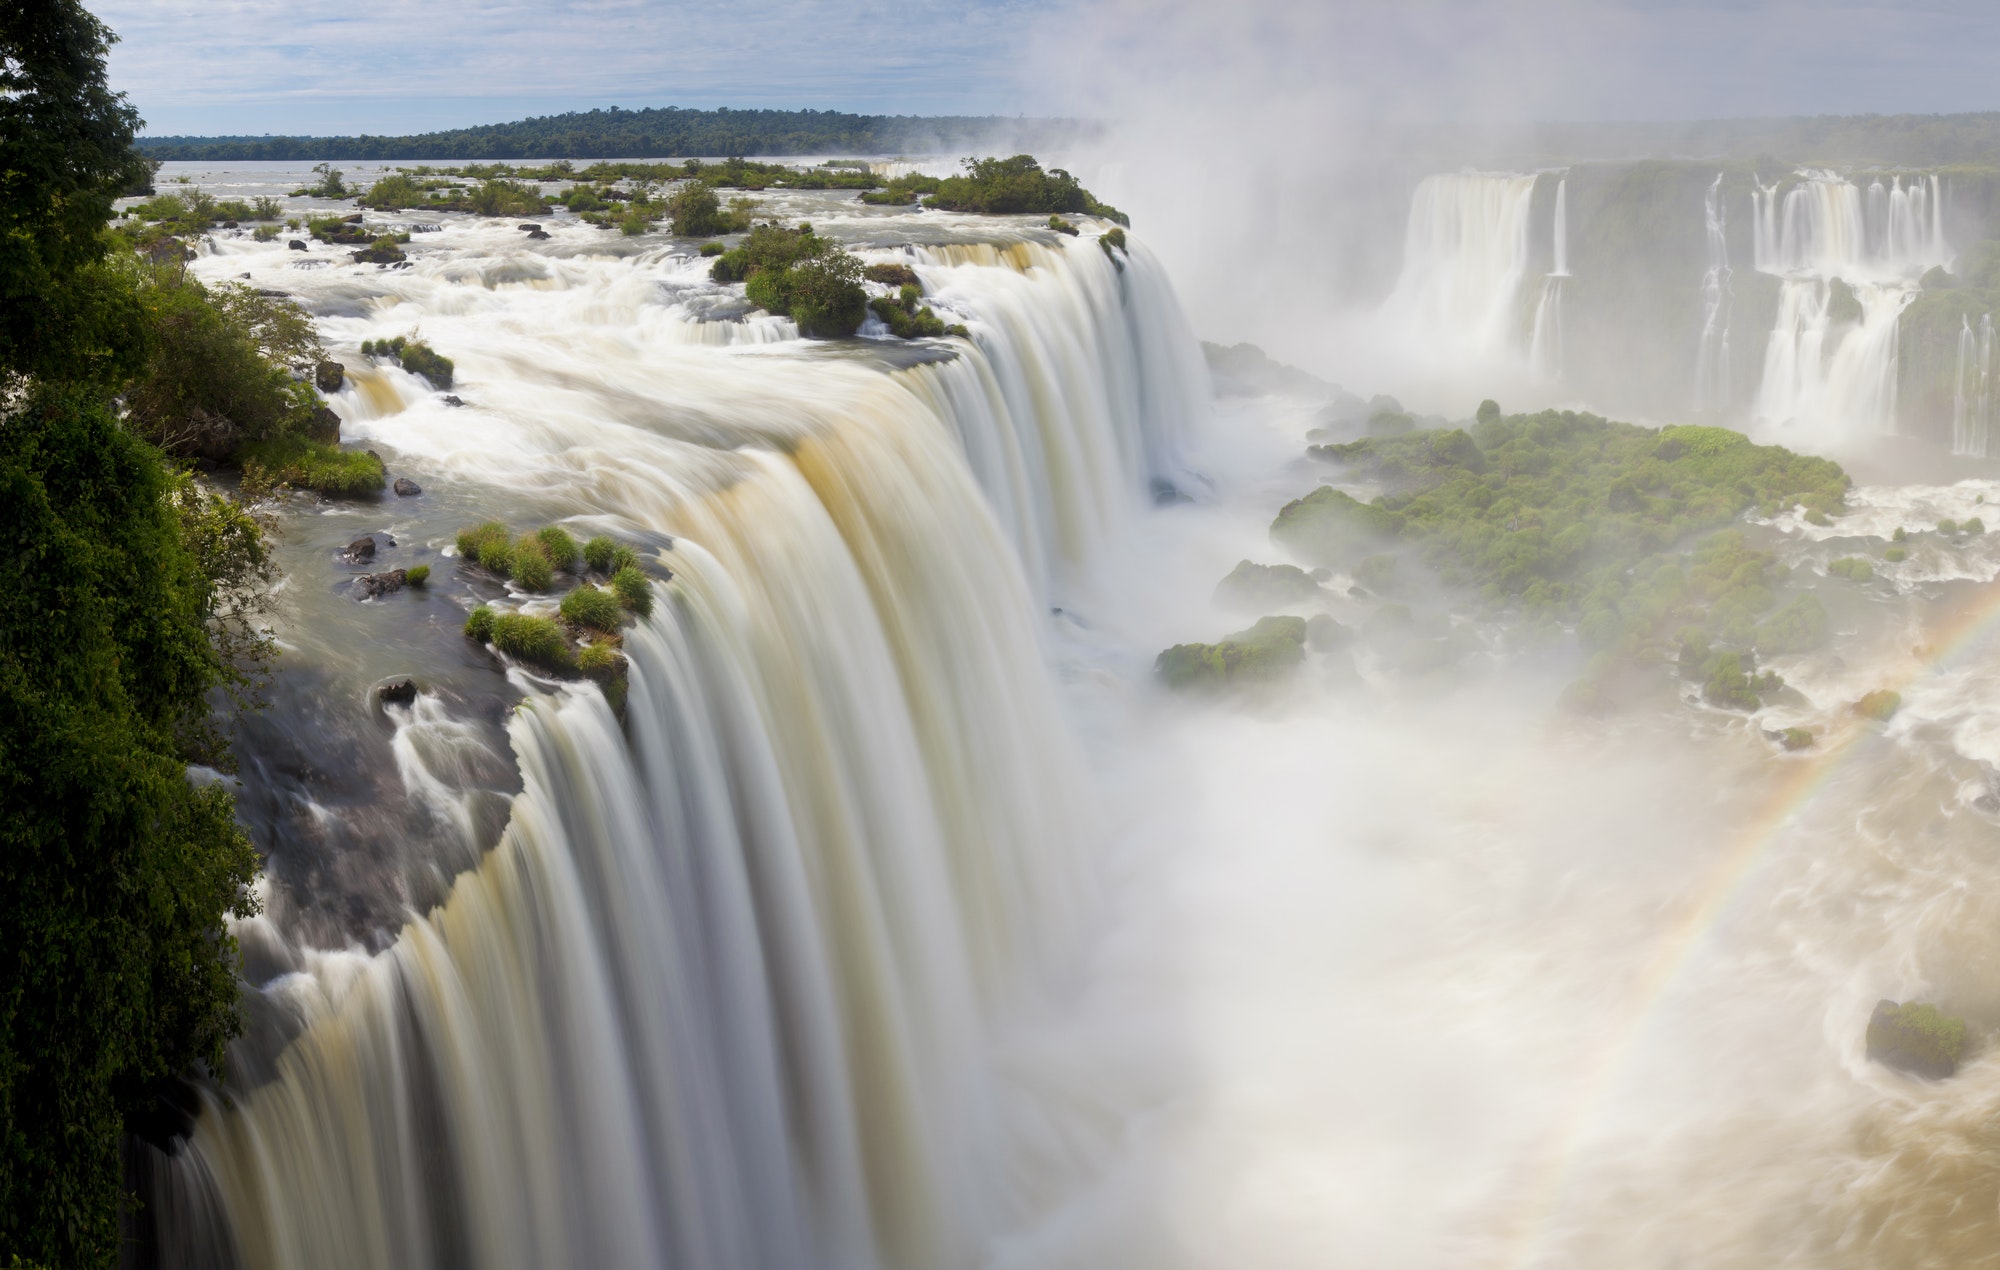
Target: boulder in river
[(296, 245), (528, 227), (1268, 651), (538, 233), (329, 376), (399, 694), (370, 585), (407, 488), (1917, 1038), (360, 549), (325, 426), (452, 400), (1259, 588)]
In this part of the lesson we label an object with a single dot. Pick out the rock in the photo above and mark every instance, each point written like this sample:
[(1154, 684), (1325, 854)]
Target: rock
[(1259, 588), (1324, 634), (370, 585), (399, 694), (529, 226), (383, 252), (296, 245), (1267, 652), (270, 294), (452, 401), (1916, 1038), (407, 488), (325, 426), (355, 219), (245, 275), (538, 233), (360, 549), (329, 376), (1880, 705)]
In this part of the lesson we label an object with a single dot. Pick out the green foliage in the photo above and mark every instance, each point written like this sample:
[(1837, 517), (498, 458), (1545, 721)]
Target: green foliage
[(1730, 681), (414, 356), (1973, 526), (473, 542), (528, 566), (393, 193), (1797, 739), (1798, 627), (1916, 1037), (117, 873), (634, 589), (419, 575), (1896, 555), (498, 197), (905, 319), (697, 213), (536, 640), (1017, 184), (898, 276), (623, 558), (796, 273), (1113, 241), (1268, 651), (600, 661), (593, 609), (1853, 568), (558, 546), (479, 624), (331, 184), (311, 465), (1880, 705), (712, 249), (1947, 527), (1488, 412), (597, 553), (1253, 587)]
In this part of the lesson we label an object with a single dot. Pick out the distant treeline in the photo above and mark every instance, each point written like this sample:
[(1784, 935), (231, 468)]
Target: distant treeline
[(1925, 141), (667, 133)]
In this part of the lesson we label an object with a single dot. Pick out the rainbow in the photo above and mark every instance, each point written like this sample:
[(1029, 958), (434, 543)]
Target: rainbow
[(1710, 904)]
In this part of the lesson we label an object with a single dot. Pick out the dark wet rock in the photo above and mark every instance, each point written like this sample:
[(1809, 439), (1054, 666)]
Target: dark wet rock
[(528, 227), (538, 233), (355, 219), (271, 294), (245, 275), (399, 694), (1917, 1038), (407, 488), (296, 245), (452, 400), (383, 252), (329, 376), (1988, 803), (230, 224), (362, 548), (325, 426), (370, 585)]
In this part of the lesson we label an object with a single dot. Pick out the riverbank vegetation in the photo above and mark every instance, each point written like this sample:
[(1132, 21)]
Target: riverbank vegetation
[(128, 611)]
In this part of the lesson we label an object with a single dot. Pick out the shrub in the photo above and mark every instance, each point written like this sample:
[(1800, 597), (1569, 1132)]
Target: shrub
[(421, 359), (311, 465), (264, 207), (1880, 705), (1016, 184), (1488, 412), (796, 273), (497, 556), (1947, 527), (1796, 738), (600, 661), (1853, 568), (535, 640), (393, 193), (634, 590), (712, 249), (1916, 1037), (497, 197), (419, 575), (1896, 555), (479, 624), (560, 548), (695, 211), (530, 566), (1113, 238), (893, 276), (591, 607), (1973, 526), (1270, 650), (597, 553), (264, 233)]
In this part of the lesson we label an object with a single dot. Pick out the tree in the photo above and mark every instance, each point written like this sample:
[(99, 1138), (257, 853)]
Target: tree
[(65, 153)]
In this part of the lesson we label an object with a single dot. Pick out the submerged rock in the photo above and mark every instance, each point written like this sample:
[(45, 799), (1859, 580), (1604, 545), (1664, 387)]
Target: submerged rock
[(399, 694), (1267, 652), (1917, 1038), (1259, 588), (407, 488)]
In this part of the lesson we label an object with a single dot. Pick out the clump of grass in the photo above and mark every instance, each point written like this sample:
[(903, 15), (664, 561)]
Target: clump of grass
[(472, 542), (312, 465), (419, 576), (634, 590), (559, 547), (535, 640), (479, 624), (530, 569), (600, 661), (597, 553), (593, 609), (1853, 568)]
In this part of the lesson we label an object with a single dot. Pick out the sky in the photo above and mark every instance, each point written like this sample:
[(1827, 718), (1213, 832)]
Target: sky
[(397, 66)]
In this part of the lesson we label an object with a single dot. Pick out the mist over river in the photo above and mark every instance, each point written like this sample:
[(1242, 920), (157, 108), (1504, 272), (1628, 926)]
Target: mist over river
[(902, 919)]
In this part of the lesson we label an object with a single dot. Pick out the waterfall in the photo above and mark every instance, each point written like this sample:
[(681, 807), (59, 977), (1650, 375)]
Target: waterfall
[(1712, 369), (1971, 405), (718, 997), (1465, 256), (1850, 262), (1545, 350)]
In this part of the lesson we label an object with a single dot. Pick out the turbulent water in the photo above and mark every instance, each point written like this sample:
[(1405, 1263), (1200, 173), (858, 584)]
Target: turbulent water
[(902, 921)]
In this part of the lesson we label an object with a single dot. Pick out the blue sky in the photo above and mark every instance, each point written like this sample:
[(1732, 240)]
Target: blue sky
[(291, 66)]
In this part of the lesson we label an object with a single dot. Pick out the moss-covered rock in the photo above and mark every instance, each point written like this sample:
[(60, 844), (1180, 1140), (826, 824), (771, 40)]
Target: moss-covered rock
[(1880, 705), (1917, 1038), (1328, 526), (1267, 652), (1259, 588)]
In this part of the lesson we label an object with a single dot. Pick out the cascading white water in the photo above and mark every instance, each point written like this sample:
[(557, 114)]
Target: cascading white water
[(1545, 352), (1971, 418), (1465, 256), (717, 998), (1712, 367), (1831, 367)]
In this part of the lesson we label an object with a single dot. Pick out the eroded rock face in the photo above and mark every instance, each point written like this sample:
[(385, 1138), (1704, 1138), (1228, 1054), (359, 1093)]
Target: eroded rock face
[(329, 376), (407, 488), (1916, 1037), (325, 426)]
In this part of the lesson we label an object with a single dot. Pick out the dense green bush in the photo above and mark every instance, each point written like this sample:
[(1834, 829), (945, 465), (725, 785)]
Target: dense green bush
[(696, 212), (393, 193), (1268, 651), (536, 640), (471, 542), (594, 609), (414, 356), (503, 198), (1853, 568), (796, 273), (479, 624), (1017, 184), (634, 589)]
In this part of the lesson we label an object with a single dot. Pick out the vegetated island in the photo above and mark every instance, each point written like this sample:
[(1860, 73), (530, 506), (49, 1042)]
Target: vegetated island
[(1552, 527)]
